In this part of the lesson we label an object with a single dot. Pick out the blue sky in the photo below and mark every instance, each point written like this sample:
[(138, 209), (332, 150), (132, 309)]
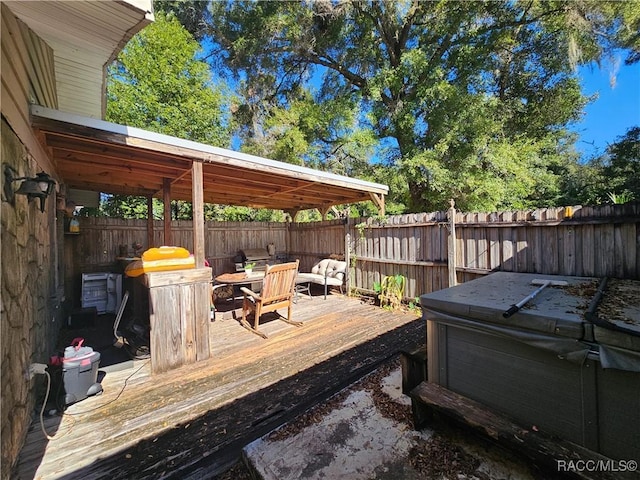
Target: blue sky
[(613, 113)]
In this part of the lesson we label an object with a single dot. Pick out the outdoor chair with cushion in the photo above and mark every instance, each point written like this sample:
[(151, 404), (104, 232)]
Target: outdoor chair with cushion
[(277, 292), (327, 272)]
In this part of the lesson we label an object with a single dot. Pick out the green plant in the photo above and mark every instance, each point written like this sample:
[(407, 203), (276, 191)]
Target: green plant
[(620, 198), (390, 291), (415, 307), (249, 266)]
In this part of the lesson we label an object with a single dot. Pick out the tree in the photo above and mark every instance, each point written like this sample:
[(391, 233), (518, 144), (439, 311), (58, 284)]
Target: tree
[(622, 165), (473, 97), (193, 15), (158, 83), (614, 175)]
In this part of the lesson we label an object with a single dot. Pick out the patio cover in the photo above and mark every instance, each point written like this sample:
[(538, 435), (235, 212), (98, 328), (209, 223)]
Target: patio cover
[(91, 154)]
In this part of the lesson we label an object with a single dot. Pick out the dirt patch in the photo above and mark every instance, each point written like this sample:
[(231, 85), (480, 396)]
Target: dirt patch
[(438, 458), (238, 471)]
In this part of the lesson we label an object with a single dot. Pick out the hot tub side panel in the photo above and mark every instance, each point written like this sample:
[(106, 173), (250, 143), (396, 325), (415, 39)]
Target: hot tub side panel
[(619, 413), (533, 386)]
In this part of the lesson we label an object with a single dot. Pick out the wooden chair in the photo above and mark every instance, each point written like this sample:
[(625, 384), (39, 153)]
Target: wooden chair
[(277, 292)]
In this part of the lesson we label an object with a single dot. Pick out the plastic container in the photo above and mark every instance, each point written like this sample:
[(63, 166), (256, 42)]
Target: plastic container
[(161, 259), (74, 226), (80, 372)]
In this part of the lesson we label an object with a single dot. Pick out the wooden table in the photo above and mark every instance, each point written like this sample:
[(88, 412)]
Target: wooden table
[(243, 278), (236, 280), (240, 278)]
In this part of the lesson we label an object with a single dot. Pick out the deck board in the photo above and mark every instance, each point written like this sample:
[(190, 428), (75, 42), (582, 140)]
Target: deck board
[(192, 422)]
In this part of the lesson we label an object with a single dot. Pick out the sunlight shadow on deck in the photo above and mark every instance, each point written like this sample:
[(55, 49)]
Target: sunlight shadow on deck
[(193, 422), (210, 443)]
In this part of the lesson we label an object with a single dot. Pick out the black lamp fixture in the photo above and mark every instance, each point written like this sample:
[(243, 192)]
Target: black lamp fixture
[(40, 186)]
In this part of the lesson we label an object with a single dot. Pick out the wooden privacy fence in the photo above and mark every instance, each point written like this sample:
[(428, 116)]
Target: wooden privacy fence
[(583, 241), (99, 241), (97, 246)]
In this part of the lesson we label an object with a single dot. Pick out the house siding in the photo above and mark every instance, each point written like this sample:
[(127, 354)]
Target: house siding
[(30, 313), (30, 319)]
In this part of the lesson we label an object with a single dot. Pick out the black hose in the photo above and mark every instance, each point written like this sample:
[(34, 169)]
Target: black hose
[(595, 301), (593, 317)]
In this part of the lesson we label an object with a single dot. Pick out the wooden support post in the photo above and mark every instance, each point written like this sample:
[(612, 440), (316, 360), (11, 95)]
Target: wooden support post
[(198, 213), (149, 222), (414, 368), (452, 244), (433, 350), (347, 255), (324, 211), (166, 197), (378, 200)]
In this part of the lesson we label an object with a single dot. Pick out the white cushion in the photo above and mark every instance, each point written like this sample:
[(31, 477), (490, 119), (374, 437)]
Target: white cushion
[(332, 270), (317, 278)]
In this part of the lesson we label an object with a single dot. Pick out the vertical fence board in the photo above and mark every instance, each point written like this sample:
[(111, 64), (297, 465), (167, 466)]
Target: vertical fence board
[(626, 238), (568, 258), (535, 249), (588, 261), (521, 250), (549, 253), (494, 247), (507, 250), (604, 244)]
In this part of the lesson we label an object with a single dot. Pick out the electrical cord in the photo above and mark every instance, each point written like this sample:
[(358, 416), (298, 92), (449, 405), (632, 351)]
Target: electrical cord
[(117, 396), (44, 404), (46, 398)]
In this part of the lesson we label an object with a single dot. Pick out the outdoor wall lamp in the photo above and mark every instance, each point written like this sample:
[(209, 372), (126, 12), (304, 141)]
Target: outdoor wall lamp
[(40, 186)]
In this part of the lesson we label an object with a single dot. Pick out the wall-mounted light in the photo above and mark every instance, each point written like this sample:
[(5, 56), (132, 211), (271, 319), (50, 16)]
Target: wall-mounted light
[(40, 186)]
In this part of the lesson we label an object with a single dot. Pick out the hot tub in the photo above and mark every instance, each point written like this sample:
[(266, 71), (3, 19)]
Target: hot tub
[(543, 366)]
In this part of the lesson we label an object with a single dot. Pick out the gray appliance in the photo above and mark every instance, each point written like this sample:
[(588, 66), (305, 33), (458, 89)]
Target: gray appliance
[(259, 256), (102, 290)]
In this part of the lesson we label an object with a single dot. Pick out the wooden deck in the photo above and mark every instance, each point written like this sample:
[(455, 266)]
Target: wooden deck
[(192, 422)]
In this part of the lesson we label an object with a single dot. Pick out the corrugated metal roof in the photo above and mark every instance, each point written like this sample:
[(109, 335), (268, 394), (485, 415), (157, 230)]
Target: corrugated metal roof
[(96, 155)]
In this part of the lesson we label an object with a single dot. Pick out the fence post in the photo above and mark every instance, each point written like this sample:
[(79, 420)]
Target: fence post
[(451, 243), (347, 255)]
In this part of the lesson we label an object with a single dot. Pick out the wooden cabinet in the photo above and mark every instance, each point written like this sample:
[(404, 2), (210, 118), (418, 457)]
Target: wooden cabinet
[(178, 316)]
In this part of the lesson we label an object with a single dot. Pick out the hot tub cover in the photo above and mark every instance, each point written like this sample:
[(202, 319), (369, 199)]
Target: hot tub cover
[(554, 320)]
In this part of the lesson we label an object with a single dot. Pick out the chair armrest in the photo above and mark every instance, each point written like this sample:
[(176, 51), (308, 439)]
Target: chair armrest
[(250, 293), (335, 273)]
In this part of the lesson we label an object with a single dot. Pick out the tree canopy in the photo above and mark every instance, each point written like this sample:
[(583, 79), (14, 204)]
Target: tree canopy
[(613, 177), (463, 100), (158, 83)]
